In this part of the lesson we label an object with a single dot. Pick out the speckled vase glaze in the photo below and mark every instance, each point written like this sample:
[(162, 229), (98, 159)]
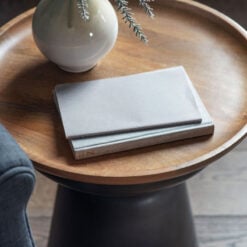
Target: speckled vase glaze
[(73, 44)]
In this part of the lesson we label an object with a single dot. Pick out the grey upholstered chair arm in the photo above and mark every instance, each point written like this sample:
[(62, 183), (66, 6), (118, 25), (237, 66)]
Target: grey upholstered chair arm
[(17, 180)]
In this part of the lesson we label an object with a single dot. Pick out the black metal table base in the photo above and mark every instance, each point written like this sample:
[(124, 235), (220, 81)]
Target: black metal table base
[(154, 219)]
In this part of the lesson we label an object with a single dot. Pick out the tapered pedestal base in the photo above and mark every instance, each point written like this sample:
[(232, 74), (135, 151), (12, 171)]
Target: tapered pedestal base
[(155, 219)]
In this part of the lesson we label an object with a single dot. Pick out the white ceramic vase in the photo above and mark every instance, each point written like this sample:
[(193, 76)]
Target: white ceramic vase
[(73, 44)]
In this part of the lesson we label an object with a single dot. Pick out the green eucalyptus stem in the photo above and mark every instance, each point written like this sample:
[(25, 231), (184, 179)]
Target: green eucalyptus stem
[(122, 7), (147, 8), (83, 9)]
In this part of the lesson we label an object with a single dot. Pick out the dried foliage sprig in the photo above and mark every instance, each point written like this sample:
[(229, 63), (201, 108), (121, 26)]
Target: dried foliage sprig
[(147, 8), (83, 9), (122, 7)]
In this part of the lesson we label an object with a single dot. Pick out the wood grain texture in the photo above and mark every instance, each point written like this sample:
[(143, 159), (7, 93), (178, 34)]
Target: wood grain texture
[(43, 197), (212, 49), (221, 231), (40, 226), (218, 190)]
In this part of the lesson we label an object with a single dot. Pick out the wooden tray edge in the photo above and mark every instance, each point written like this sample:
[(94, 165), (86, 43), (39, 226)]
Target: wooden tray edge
[(184, 168)]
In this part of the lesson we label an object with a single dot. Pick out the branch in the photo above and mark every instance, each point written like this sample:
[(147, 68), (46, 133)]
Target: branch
[(147, 8), (83, 9), (122, 7)]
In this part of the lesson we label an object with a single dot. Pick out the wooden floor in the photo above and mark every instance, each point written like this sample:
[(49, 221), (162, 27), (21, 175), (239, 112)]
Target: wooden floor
[(218, 194), (219, 201)]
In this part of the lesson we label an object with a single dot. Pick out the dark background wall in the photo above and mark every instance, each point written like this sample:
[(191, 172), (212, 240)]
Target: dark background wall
[(12, 8), (237, 9)]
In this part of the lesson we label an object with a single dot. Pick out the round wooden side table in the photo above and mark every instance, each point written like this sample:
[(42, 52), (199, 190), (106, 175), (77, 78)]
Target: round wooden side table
[(134, 198)]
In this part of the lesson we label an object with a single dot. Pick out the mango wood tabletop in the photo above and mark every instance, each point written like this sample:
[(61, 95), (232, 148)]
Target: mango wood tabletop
[(211, 47)]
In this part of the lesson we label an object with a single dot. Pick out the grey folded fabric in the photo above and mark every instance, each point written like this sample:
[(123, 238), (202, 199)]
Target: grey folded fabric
[(156, 99)]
